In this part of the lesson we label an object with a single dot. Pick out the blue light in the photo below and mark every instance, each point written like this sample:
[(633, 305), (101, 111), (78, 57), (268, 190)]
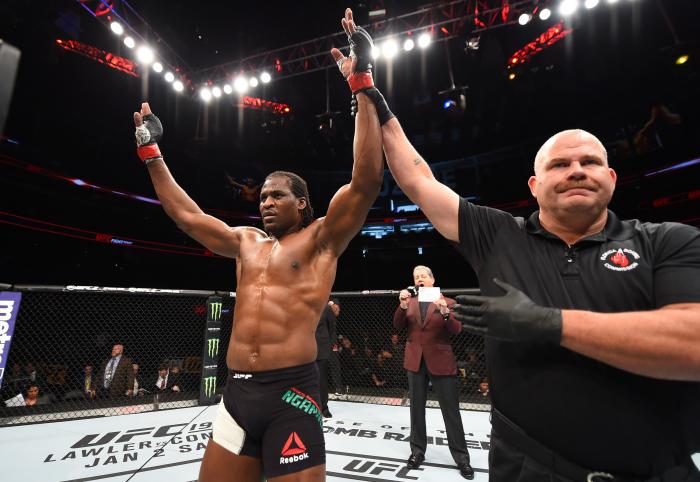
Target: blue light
[(448, 103), (420, 250), (673, 167), (78, 182), (155, 201)]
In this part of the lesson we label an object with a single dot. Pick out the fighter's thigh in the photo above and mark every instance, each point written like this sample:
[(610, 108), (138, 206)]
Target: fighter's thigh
[(316, 473), (220, 465)]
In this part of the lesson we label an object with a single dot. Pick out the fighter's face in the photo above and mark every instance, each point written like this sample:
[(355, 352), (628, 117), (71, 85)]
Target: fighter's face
[(421, 277), (279, 208)]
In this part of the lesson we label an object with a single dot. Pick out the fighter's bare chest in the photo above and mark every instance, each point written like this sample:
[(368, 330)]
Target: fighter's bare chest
[(275, 259)]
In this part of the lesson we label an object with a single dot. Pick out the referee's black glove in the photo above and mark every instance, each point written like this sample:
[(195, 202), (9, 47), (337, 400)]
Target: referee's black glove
[(512, 317)]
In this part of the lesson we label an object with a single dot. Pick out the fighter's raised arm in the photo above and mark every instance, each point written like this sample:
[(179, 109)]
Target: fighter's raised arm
[(349, 207), (209, 231)]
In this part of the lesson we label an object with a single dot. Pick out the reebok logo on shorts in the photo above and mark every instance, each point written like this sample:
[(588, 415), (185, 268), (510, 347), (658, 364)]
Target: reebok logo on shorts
[(294, 450)]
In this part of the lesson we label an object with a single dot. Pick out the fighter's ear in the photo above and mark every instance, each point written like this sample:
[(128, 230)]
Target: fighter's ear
[(301, 203)]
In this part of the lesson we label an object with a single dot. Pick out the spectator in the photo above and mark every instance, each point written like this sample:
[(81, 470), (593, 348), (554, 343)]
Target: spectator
[(117, 374), (166, 382), (484, 388), (325, 338), (138, 389), (474, 371), (333, 361), (88, 382), (380, 371), (348, 358), (17, 380), (31, 373), (365, 366), (83, 385), (247, 190), (175, 378), (32, 397), (393, 354)]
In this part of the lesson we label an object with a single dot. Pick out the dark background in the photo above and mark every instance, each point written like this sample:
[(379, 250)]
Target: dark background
[(73, 116)]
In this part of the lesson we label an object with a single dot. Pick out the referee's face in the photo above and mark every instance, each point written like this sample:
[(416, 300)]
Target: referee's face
[(574, 177)]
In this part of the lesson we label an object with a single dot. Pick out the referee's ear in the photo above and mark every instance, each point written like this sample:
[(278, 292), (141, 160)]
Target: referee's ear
[(532, 184)]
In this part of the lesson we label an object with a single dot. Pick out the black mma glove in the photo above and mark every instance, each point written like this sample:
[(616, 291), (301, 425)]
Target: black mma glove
[(360, 80), (512, 317), (147, 136), (361, 46)]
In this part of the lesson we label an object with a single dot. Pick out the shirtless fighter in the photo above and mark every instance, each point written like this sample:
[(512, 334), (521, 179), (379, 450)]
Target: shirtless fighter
[(269, 422)]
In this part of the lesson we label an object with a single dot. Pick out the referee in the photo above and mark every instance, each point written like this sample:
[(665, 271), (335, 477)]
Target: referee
[(592, 323)]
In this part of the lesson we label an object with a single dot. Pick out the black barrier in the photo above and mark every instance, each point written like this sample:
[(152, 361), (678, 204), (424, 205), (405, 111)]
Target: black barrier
[(210, 352), (60, 331)]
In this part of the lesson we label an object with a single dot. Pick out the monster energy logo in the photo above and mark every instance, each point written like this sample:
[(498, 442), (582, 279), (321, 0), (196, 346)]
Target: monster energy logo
[(212, 347), (215, 311), (209, 386)]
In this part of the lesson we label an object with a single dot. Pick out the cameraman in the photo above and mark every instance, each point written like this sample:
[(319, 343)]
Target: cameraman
[(429, 356)]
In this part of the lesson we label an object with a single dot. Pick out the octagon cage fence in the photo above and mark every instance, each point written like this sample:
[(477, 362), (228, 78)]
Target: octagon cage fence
[(58, 343)]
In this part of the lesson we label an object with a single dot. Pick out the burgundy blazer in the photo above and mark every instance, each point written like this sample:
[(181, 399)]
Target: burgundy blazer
[(429, 338)]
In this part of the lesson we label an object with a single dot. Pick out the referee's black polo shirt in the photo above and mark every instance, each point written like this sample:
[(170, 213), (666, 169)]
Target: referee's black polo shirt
[(593, 414)]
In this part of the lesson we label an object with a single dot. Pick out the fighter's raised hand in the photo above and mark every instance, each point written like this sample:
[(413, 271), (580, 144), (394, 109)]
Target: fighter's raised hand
[(357, 67), (149, 131), (348, 64)]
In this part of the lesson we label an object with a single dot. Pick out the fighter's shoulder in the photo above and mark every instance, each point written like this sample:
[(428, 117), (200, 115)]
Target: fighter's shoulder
[(249, 233)]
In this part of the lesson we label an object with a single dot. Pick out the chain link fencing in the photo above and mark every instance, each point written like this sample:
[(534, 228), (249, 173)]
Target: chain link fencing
[(370, 355), (61, 364)]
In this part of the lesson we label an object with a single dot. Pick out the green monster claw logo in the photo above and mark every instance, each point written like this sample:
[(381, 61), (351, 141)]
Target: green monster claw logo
[(212, 347), (209, 386), (215, 311)]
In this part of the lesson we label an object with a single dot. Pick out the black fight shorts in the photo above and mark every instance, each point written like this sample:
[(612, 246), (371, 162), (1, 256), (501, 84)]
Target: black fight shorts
[(274, 416)]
